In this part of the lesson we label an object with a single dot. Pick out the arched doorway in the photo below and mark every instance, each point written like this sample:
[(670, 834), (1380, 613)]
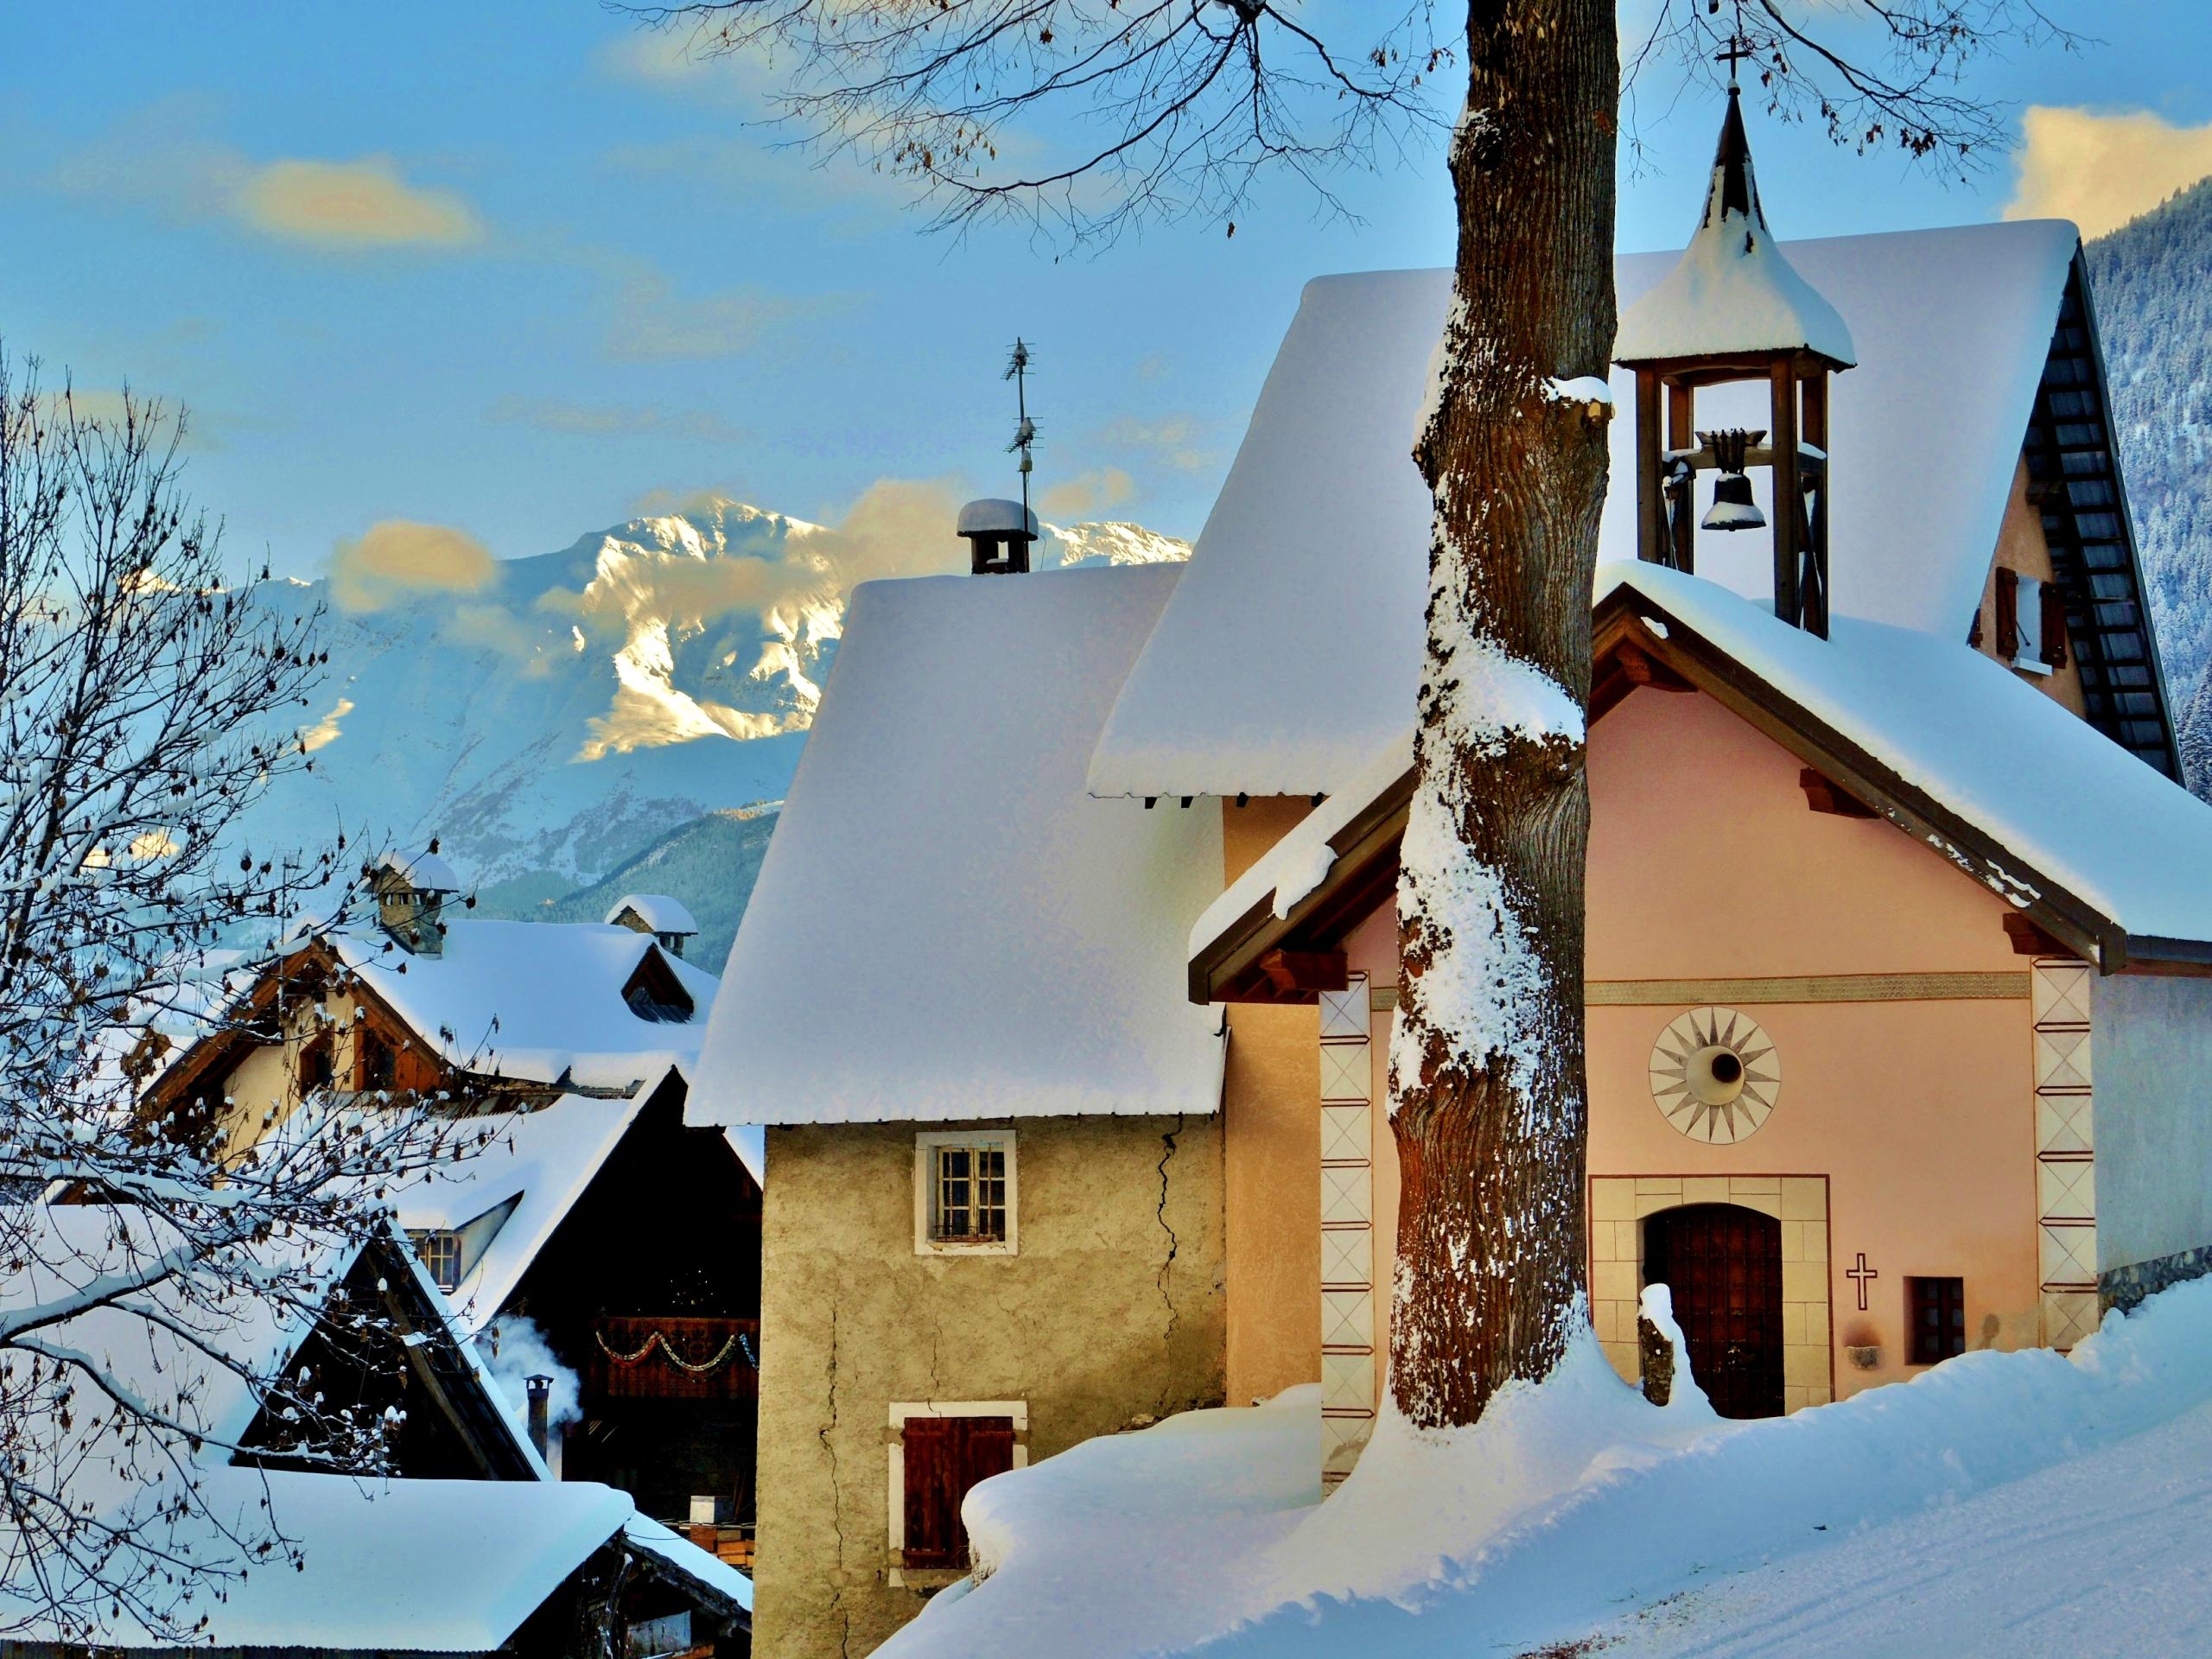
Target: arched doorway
[(1724, 1265)]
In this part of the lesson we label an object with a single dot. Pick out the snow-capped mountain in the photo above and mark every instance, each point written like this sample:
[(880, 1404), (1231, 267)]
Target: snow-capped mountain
[(557, 715)]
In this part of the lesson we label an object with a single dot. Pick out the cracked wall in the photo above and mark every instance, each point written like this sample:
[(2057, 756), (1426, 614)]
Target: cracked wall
[(1112, 1312)]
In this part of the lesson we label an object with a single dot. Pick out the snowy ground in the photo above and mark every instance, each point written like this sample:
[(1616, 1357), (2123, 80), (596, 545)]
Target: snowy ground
[(2016, 1504)]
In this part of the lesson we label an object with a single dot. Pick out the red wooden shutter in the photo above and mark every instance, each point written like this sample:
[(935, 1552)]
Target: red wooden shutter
[(933, 1535), (989, 1450), (2008, 614), (945, 1456), (2054, 625)]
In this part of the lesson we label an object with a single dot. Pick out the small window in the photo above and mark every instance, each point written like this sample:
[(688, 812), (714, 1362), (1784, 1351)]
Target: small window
[(965, 1194), (378, 1064), (315, 1070), (440, 1254), (1937, 1308)]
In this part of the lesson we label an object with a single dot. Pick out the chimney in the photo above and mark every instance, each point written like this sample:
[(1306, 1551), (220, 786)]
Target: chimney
[(410, 894), (541, 1390), (998, 534)]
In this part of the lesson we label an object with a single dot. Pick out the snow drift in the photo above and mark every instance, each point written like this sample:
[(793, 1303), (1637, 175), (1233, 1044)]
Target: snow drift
[(1572, 1505)]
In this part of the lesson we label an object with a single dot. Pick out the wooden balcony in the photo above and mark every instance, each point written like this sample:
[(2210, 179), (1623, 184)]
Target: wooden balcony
[(646, 1357)]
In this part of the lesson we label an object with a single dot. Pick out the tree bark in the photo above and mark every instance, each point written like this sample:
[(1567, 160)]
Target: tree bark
[(1487, 1088)]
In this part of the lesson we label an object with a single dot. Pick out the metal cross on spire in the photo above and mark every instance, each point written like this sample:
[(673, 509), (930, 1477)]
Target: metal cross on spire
[(1025, 431), (1739, 47)]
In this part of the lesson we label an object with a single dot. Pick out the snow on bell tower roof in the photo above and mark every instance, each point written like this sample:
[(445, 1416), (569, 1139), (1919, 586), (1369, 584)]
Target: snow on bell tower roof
[(1732, 294)]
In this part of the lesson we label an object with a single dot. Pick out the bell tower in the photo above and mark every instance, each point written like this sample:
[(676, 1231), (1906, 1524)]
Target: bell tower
[(1734, 309)]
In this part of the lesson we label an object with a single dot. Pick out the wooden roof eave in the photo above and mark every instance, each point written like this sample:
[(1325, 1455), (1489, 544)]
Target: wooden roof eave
[(1227, 968)]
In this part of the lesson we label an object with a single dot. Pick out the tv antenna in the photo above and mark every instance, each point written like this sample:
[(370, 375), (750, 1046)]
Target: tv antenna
[(1024, 430)]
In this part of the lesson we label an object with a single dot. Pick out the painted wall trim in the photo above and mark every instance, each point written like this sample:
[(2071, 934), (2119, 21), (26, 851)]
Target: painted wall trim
[(2001, 986)]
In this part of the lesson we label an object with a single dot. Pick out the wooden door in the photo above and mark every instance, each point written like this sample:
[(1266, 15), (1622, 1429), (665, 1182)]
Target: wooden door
[(1724, 1264)]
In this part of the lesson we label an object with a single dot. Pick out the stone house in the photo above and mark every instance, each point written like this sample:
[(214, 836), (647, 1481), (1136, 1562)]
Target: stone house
[(1886, 843), (986, 1106)]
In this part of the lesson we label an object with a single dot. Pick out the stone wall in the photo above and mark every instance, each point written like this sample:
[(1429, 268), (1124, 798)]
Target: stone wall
[(1111, 1314)]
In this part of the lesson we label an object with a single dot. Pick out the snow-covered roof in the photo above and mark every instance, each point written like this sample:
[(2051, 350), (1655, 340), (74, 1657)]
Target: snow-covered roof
[(1291, 652), (402, 1565), (390, 1565), (945, 925), (657, 911), (1734, 292), (536, 1001), (424, 872), (688, 1559), (2066, 815), (992, 516), (543, 1160)]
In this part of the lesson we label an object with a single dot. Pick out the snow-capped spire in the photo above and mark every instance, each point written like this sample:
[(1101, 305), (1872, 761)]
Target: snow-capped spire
[(1732, 294)]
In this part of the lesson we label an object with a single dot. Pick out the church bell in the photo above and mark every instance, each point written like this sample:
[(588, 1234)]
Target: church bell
[(1732, 507)]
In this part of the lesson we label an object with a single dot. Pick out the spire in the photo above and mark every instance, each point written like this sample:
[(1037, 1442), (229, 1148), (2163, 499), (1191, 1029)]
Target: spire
[(1732, 190), (1732, 294)]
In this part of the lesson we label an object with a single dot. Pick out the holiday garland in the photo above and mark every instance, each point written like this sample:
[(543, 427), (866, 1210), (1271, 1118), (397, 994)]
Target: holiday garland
[(737, 1341)]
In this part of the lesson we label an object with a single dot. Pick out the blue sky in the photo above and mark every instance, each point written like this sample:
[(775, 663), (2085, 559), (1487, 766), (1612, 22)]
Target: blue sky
[(590, 285)]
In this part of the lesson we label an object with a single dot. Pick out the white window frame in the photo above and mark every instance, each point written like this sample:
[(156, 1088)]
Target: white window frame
[(895, 1499), (925, 1147)]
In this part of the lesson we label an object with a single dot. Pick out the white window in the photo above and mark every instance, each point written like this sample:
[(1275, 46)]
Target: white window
[(965, 1194)]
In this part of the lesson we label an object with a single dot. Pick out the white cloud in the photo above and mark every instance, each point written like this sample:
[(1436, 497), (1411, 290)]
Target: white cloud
[(1088, 494), (163, 158), (2101, 170), (651, 322), (364, 204), (397, 556), (1172, 440)]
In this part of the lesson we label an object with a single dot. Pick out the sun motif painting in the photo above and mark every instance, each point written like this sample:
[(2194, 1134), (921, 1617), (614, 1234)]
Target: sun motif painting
[(1715, 1075)]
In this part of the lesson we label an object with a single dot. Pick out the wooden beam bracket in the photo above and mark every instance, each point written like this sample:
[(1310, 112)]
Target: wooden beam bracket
[(1822, 795), (1299, 973)]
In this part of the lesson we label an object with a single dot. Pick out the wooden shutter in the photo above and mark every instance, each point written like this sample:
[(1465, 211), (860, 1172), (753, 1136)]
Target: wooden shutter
[(2008, 613), (2054, 625), (944, 1457)]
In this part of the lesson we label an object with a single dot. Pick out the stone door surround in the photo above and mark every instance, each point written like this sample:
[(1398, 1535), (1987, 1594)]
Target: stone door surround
[(1619, 1204)]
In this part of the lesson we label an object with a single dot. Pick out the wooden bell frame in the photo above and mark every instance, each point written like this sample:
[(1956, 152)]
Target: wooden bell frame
[(1666, 474)]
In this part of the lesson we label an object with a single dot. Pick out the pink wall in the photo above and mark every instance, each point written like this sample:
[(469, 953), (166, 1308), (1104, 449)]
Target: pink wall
[(1705, 862)]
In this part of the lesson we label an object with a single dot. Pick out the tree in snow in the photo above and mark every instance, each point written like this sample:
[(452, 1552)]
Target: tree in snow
[(144, 703), (1082, 119)]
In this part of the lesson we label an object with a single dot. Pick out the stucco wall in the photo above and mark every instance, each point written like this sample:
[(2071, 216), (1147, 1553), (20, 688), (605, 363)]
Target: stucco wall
[(1270, 1109), (2150, 1040), (1094, 1324)]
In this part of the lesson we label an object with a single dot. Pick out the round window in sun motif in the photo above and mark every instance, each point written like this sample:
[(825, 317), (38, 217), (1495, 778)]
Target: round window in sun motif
[(1714, 1074)]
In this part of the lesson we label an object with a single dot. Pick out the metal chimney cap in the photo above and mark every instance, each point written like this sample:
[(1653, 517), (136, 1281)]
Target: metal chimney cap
[(992, 516)]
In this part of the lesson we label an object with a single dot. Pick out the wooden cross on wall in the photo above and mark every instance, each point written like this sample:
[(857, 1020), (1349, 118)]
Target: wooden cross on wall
[(1860, 1276)]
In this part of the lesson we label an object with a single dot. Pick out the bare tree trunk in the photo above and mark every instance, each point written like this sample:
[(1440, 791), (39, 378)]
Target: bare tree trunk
[(1488, 1093)]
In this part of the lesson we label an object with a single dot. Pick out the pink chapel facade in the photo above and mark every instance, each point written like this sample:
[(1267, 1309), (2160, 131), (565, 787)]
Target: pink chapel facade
[(1918, 1132)]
